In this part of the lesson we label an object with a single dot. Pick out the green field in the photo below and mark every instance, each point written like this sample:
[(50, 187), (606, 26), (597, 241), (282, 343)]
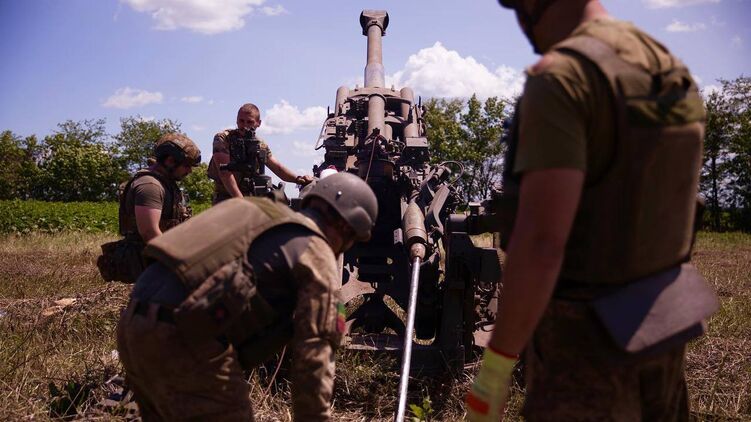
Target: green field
[(55, 356), (23, 217)]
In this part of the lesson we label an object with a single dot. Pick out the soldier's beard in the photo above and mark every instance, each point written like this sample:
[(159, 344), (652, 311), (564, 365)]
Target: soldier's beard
[(170, 170)]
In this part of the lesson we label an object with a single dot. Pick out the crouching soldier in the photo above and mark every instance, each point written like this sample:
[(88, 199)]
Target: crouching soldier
[(150, 203), (232, 286)]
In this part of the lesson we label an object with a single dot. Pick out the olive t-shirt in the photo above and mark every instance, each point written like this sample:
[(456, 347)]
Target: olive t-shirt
[(148, 192), (567, 117)]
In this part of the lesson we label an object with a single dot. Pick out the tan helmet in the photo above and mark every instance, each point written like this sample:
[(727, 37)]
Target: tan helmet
[(351, 197), (178, 146)]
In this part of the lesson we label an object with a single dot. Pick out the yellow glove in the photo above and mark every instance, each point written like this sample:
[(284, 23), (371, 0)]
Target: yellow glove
[(487, 397)]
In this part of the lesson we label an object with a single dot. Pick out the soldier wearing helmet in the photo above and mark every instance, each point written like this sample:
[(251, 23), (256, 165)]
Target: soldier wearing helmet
[(150, 203), (603, 161), (233, 286), (226, 183)]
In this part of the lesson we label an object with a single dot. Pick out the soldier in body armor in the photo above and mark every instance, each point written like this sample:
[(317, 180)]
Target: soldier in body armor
[(150, 203), (604, 158), (234, 184), (230, 288)]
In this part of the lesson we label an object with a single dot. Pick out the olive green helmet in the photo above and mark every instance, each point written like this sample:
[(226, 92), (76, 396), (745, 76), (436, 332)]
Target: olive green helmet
[(351, 197), (178, 146)]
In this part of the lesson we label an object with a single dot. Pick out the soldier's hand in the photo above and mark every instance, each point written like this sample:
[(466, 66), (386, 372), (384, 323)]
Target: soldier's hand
[(489, 393), (304, 179)]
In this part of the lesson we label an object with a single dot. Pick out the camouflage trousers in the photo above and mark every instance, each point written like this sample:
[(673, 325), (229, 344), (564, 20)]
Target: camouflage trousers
[(575, 372), (173, 379)]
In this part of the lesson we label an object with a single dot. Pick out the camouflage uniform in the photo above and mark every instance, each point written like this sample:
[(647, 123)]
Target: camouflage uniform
[(221, 145), (177, 375), (566, 120)]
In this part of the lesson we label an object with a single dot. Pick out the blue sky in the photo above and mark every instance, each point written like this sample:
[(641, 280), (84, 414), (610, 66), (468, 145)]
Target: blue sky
[(197, 61)]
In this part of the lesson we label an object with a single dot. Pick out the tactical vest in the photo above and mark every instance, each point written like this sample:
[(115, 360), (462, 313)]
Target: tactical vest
[(637, 218), (208, 254), (170, 217)]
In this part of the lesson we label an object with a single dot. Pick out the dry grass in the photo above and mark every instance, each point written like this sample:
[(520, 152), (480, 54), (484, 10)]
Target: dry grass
[(69, 345), (719, 364)]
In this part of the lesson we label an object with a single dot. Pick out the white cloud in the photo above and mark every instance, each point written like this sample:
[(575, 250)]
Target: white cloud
[(736, 41), (307, 149), (438, 72), (193, 99), (661, 4), (273, 11), (678, 26), (204, 16), (286, 118), (128, 98)]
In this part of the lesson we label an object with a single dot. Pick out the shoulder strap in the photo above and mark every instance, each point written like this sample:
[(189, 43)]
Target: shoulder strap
[(284, 214), (601, 54), (219, 235)]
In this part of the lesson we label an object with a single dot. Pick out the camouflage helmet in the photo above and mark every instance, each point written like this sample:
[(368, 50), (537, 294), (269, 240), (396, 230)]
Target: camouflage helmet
[(178, 146), (351, 197)]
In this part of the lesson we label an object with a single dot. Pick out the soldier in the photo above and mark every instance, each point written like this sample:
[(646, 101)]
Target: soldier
[(150, 203), (604, 156), (261, 276), (226, 182)]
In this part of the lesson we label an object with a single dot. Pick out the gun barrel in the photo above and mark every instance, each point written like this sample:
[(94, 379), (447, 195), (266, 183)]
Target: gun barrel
[(374, 23)]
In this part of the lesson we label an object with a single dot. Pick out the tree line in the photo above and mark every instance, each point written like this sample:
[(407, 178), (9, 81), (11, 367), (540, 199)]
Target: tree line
[(468, 131), (81, 162)]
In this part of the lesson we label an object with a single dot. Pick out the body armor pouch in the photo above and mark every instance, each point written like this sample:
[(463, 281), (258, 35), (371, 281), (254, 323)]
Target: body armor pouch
[(121, 260), (637, 218)]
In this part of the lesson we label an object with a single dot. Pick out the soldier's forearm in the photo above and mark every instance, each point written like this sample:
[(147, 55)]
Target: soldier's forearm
[(527, 288), (312, 379), (229, 182), (281, 171)]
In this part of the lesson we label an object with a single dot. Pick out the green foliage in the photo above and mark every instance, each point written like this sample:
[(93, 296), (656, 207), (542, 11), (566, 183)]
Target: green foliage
[(137, 138), (79, 161), (19, 173), (197, 184), (22, 217), (423, 412), (78, 165), (726, 174), (469, 133)]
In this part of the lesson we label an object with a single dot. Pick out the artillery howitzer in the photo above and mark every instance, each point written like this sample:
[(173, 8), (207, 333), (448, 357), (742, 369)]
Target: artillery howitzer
[(248, 161), (420, 254)]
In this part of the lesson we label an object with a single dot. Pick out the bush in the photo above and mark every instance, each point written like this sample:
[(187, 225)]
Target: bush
[(51, 217), (19, 217)]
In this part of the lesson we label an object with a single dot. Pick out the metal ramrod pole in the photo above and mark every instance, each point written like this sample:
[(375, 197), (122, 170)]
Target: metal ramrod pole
[(407, 352)]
